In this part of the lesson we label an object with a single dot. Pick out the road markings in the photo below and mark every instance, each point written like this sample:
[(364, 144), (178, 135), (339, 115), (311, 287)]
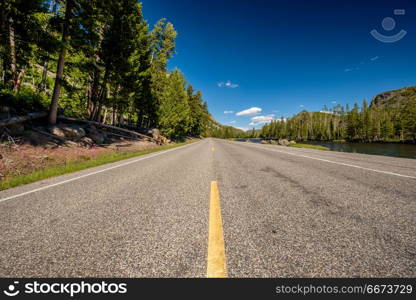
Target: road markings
[(216, 265), (340, 163), (213, 148), (93, 173)]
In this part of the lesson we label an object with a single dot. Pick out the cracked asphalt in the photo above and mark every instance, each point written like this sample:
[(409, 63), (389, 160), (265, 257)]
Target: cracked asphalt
[(286, 212)]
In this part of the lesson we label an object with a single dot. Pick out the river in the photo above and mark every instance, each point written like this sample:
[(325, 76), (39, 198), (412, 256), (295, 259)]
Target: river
[(387, 149)]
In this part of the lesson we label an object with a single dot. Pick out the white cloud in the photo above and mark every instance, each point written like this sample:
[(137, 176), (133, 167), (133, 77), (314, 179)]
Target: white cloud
[(301, 106), (334, 102), (232, 122), (351, 69), (249, 112), (228, 111), (244, 128), (261, 120), (228, 84), (374, 58)]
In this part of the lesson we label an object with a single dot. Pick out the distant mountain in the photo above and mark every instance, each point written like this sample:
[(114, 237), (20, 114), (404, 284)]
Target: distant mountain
[(396, 97)]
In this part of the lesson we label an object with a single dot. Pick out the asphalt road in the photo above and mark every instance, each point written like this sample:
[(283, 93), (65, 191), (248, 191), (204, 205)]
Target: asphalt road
[(286, 212)]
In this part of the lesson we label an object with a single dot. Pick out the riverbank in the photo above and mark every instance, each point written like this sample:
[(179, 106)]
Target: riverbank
[(394, 149), (317, 147)]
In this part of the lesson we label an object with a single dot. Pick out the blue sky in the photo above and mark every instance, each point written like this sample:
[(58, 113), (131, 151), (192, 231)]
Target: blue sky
[(269, 59)]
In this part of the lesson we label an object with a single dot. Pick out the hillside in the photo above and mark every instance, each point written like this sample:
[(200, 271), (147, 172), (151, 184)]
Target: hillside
[(396, 97), (391, 117)]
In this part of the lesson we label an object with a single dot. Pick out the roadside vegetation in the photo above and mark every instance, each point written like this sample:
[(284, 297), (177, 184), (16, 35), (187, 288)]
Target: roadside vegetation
[(55, 168), (86, 82), (317, 147), (96, 60)]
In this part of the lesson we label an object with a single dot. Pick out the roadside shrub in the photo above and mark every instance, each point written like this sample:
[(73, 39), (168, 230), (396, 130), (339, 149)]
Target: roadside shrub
[(26, 100)]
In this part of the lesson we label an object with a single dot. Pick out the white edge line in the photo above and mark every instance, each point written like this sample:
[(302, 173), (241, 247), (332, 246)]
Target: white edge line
[(337, 163), (93, 173)]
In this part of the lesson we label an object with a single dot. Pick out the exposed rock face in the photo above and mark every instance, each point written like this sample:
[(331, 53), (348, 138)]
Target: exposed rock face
[(292, 142), (395, 97)]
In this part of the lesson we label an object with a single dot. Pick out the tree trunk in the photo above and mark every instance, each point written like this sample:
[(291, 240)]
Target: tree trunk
[(20, 119), (105, 115), (102, 95), (95, 93), (19, 80), (113, 121), (61, 62), (9, 63), (42, 84)]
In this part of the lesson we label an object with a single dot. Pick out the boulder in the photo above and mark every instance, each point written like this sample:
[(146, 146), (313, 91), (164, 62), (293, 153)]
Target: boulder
[(86, 141), (56, 130), (97, 137), (292, 143), (73, 132), (264, 142), (155, 133), (283, 142), (91, 129), (164, 140)]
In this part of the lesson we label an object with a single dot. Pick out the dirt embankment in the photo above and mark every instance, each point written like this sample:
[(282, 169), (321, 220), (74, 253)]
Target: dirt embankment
[(26, 148)]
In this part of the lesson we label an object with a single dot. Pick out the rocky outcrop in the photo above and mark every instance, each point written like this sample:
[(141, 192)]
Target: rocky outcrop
[(96, 135), (160, 139), (72, 132), (395, 97)]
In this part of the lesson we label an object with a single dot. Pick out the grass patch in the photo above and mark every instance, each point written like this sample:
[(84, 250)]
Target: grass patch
[(317, 147), (78, 166)]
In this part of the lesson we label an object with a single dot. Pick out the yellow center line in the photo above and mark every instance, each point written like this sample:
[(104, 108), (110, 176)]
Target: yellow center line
[(216, 265)]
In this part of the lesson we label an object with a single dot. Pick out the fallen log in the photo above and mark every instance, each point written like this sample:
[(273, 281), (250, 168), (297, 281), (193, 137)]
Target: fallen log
[(55, 137), (143, 136), (123, 136), (20, 119)]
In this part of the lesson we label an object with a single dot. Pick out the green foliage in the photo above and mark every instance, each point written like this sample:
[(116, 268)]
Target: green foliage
[(317, 147), (114, 68), (174, 110), (375, 123), (26, 100)]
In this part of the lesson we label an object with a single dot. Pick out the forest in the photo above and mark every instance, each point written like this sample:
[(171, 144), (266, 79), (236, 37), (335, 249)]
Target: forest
[(97, 60), (100, 60), (382, 121)]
